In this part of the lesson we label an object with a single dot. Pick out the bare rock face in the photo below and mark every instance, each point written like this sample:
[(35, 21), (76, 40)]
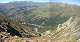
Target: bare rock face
[(5, 27), (69, 31)]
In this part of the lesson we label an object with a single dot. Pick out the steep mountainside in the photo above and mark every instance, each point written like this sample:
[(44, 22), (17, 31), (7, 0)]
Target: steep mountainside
[(39, 15), (69, 31), (39, 22)]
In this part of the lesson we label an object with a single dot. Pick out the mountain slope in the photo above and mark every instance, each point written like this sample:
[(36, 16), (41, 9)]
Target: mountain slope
[(66, 32), (46, 15)]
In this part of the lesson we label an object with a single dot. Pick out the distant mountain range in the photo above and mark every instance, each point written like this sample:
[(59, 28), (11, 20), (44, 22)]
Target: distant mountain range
[(43, 22), (43, 14)]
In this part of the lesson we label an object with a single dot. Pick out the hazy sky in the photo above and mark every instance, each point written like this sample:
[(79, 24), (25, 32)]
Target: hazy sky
[(77, 2)]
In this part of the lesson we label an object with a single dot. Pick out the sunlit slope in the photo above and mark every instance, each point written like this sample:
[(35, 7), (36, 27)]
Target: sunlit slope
[(57, 8), (69, 31)]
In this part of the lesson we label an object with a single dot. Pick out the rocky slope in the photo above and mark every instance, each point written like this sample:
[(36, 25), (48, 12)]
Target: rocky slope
[(69, 31), (66, 32)]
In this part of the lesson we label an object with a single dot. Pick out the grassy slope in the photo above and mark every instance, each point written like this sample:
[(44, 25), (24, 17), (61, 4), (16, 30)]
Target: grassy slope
[(65, 9)]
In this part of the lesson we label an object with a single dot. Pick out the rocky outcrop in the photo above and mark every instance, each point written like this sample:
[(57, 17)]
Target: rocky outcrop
[(5, 27), (69, 31)]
